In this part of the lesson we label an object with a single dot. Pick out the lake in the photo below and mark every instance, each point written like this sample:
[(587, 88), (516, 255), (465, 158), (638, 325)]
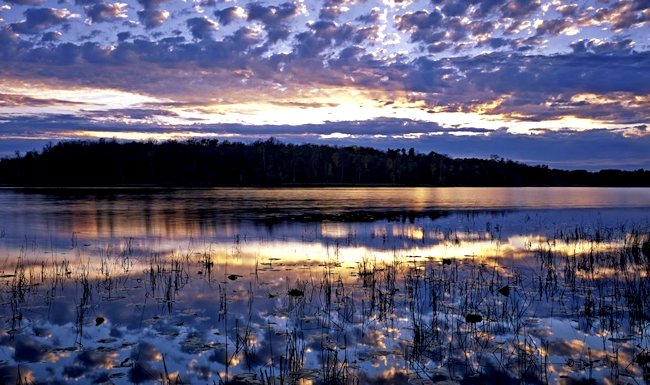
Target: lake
[(325, 286)]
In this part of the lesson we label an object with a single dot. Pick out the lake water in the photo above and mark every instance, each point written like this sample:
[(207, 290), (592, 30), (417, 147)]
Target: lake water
[(325, 286)]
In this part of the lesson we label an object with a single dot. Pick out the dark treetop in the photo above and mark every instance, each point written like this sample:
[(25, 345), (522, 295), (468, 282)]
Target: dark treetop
[(272, 163)]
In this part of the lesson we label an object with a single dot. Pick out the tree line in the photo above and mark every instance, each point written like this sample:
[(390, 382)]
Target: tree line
[(273, 163)]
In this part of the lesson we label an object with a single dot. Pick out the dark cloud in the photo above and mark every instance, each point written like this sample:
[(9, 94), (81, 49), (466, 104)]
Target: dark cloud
[(20, 100), (122, 36), (151, 4), (330, 13), (527, 44), (369, 18), (485, 7), (274, 18), (455, 29), (497, 42), (482, 27), (51, 36), (517, 9), (244, 38), (272, 15), (508, 73), (426, 75), (25, 2), (419, 20), (7, 36), (277, 33), (515, 26), (39, 19), (322, 35), (423, 26), (593, 149), (455, 8), (620, 15), (616, 108), (132, 113), (91, 36), (332, 9), (567, 9), (152, 18), (101, 12), (625, 15), (228, 15), (438, 47), (594, 67), (201, 27), (600, 47), (366, 35), (554, 27)]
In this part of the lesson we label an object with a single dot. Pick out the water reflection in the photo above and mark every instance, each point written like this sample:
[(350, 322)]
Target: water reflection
[(348, 287)]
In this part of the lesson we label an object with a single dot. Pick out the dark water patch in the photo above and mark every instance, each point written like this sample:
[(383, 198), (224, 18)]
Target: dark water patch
[(29, 349), (142, 372)]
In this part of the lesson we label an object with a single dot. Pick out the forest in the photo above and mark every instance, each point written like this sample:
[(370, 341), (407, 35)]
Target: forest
[(273, 163)]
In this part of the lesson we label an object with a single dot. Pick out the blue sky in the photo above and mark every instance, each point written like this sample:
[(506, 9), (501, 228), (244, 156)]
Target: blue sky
[(554, 82)]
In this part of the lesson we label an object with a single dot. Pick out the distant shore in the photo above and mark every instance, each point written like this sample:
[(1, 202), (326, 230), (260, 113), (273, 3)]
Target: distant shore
[(211, 163)]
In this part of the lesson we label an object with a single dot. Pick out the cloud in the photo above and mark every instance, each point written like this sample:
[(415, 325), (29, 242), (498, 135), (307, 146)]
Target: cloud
[(509, 59), (7, 37), (151, 4), (122, 36), (324, 34), (596, 46), (26, 2), (272, 15), (275, 19), (536, 87), (486, 7), (51, 36), (505, 73), (330, 12), (620, 15), (201, 27), (228, 15), (625, 15), (595, 66), (497, 42), (152, 18), (454, 8), (592, 149), (14, 100), (516, 9), (39, 19), (567, 9), (101, 12), (554, 26), (423, 26), (371, 17)]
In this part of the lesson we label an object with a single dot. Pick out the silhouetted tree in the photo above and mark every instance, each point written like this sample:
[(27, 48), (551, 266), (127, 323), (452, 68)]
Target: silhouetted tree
[(272, 163)]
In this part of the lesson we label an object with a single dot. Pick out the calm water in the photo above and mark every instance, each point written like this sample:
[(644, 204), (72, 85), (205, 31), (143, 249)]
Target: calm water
[(331, 285)]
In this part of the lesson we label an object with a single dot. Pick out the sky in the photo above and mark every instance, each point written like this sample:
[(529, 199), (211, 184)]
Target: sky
[(561, 83)]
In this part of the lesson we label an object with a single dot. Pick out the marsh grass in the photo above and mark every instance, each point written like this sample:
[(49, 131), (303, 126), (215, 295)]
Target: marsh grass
[(477, 319)]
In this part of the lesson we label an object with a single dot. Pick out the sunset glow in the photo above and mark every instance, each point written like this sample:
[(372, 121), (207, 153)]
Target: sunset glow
[(509, 77)]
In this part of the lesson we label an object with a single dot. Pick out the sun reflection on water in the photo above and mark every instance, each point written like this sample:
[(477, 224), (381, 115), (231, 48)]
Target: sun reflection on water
[(192, 295)]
